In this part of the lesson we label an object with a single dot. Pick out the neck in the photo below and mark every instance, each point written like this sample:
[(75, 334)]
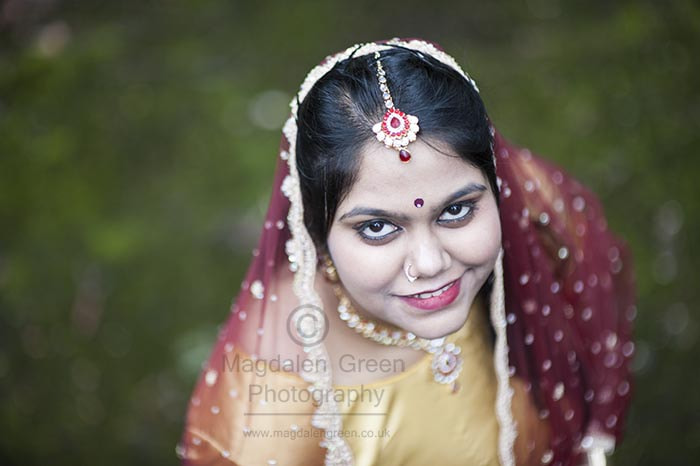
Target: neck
[(343, 340)]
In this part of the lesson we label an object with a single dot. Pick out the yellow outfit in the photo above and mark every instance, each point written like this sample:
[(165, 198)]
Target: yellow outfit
[(424, 422)]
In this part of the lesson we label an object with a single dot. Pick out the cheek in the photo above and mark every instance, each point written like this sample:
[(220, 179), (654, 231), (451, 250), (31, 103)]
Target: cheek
[(479, 243), (360, 266)]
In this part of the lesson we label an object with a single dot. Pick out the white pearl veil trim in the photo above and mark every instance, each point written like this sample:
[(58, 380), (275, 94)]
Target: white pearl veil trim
[(500, 359), (302, 256)]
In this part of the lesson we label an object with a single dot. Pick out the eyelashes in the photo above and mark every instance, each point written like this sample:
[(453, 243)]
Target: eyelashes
[(376, 227), (380, 230), (468, 205)]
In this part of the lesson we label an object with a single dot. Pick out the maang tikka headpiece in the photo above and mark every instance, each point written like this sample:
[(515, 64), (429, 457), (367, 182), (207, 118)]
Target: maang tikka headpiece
[(397, 129)]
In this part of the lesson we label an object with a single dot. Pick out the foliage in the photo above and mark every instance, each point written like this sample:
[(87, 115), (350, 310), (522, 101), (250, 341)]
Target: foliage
[(137, 144)]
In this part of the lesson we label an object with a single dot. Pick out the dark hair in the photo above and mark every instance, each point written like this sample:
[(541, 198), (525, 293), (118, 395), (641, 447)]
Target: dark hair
[(335, 122)]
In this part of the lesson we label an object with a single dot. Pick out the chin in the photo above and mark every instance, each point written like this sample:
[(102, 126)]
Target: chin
[(440, 323), (442, 326)]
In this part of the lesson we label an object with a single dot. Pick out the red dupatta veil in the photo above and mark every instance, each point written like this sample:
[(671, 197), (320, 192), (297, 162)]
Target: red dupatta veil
[(562, 305)]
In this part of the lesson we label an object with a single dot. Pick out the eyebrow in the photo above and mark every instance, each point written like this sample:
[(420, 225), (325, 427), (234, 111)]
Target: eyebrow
[(468, 189)]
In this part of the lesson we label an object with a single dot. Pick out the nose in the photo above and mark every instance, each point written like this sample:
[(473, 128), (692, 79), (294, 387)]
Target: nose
[(429, 258)]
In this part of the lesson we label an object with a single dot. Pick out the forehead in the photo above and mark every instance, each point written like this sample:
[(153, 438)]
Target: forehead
[(430, 174)]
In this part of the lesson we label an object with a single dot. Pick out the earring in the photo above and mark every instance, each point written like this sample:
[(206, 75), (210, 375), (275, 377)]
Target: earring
[(329, 271), (410, 277)]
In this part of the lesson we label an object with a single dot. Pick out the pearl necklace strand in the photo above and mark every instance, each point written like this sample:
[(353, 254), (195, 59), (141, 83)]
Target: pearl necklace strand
[(447, 362)]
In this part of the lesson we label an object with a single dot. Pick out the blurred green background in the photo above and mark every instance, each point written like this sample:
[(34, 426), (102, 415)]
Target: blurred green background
[(137, 145)]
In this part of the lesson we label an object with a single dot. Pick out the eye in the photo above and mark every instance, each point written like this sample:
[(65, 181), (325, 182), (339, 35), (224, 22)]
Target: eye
[(458, 212), (376, 229)]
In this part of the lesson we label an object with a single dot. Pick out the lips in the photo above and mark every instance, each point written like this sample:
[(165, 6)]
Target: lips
[(435, 301), (428, 292)]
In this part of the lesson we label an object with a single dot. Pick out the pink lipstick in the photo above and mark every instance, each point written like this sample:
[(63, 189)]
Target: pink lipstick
[(433, 303)]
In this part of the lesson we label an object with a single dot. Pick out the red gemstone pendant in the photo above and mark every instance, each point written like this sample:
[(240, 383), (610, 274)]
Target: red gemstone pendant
[(397, 130)]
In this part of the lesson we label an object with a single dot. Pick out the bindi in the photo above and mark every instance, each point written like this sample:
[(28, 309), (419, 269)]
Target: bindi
[(418, 202)]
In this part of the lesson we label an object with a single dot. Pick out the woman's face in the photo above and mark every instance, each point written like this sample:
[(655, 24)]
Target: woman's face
[(452, 239)]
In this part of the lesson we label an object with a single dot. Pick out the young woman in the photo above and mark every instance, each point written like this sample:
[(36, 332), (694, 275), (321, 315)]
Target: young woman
[(422, 292)]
